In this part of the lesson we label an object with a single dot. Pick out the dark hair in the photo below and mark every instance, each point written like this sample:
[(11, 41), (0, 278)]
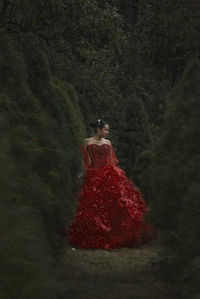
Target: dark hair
[(98, 124)]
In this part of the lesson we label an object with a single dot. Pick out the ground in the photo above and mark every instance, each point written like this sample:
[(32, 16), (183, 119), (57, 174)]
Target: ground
[(116, 274)]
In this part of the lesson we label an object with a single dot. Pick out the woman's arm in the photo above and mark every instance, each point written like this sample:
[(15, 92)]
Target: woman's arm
[(85, 157), (113, 158)]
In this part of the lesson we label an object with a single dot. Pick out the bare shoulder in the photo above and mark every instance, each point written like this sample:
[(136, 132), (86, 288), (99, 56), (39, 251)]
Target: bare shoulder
[(88, 140), (107, 141), (85, 142)]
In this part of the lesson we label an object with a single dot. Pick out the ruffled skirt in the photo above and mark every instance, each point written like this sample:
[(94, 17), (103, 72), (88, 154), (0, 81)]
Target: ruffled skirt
[(110, 212)]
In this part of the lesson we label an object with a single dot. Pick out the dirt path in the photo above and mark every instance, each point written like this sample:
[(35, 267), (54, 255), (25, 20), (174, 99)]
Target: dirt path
[(116, 274)]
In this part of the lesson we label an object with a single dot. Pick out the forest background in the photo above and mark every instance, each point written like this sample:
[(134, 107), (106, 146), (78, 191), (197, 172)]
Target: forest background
[(65, 63)]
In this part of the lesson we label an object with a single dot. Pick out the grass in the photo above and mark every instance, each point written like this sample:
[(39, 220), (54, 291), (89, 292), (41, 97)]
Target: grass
[(116, 274)]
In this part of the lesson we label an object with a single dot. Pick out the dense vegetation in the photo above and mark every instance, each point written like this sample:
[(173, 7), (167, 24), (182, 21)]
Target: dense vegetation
[(41, 129), (175, 178), (66, 63)]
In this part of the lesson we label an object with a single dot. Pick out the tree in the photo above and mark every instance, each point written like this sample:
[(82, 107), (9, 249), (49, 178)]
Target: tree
[(41, 130), (175, 180), (134, 135)]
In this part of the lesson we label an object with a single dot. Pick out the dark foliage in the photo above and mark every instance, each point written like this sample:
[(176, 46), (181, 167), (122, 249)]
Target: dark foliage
[(175, 179), (41, 129)]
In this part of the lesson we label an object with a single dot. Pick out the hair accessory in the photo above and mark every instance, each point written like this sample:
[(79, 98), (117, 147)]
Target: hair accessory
[(98, 121)]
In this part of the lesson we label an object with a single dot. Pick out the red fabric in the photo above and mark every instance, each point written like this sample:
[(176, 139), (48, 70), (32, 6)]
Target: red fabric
[(96, 156), (110, 210)]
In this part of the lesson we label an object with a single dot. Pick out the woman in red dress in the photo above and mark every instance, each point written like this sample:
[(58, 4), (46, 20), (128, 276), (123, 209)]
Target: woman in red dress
[(110, 210)]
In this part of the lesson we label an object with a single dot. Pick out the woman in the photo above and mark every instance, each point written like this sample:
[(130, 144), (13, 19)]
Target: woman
[(110, 209)]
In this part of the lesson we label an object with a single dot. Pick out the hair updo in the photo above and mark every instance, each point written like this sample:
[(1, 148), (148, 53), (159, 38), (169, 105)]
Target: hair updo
[(98, 124)]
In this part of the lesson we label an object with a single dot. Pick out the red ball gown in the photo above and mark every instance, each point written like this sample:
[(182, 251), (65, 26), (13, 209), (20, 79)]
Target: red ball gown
[(110, 210)]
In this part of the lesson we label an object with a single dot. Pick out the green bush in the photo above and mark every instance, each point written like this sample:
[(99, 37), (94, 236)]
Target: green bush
[(134, 133), (41, 130), (175, 181), (141, 176)]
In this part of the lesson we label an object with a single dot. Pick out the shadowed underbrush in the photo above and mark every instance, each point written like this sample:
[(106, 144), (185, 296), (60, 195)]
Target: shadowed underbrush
[(115, 274)]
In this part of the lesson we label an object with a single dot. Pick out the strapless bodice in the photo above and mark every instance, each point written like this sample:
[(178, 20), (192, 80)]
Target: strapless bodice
[(98, 154)]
